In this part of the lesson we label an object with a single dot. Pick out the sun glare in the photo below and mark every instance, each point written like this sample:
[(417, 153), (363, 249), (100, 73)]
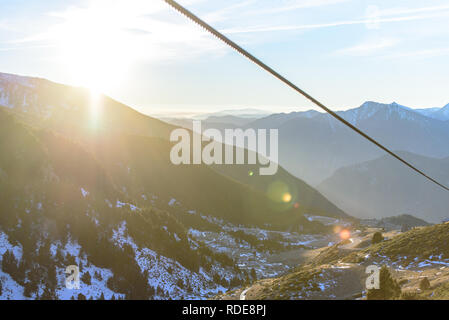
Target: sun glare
[(96, 108), (345, 234), (90, 50), (98, 43), (287, 197)]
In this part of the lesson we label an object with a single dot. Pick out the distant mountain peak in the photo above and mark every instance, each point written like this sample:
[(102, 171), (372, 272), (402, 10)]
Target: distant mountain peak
[(371, 104), (370, 108), (241, 113), (16, 79)]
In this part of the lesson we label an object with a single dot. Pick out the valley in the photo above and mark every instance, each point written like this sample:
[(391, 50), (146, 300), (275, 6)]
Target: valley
[(339, 271), (107, 199), (218, 153), (354, 174)]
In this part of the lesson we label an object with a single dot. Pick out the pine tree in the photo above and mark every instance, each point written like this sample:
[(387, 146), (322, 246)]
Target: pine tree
[(253, 274), (81, 297), (21, 271), (52, 281), (389, 288), (377, 238), (28, 289), (424, 284), (97, 276), (59, 256), (86, 278), (9, 263), (48, 294)]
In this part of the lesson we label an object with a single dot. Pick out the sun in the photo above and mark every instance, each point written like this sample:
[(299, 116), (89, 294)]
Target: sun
[(97, 44), (89, 48), (101, 42)]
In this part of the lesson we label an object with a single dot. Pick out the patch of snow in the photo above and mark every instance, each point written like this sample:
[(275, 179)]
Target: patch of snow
[(72, 248), (94, 290), (166, 273), (84, 192), (11, 290), (5, 245)]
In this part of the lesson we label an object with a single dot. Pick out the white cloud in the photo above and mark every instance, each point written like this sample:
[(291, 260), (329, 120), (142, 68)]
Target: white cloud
[(6, 25), (9, 48), (368, 47), (401, 11), (97, 44), (420, 54), (129, 30), (225, 13), (298, 4), (438, 14)]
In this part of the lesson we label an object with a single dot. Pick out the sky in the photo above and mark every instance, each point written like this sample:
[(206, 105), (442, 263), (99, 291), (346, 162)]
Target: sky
[(144, 54)]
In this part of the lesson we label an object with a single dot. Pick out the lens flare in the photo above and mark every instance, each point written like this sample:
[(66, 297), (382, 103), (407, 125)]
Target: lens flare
[(345, 234), (96, 109), (287, 197)]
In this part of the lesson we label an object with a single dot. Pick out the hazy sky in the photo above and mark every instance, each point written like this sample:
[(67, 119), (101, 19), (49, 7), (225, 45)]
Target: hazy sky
[(148, 56)]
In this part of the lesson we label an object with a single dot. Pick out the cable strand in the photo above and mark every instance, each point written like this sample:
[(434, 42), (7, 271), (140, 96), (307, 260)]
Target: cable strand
[(277, 75)]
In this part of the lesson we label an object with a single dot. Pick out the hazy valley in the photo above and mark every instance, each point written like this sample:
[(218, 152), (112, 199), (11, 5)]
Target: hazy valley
[(86, 180)]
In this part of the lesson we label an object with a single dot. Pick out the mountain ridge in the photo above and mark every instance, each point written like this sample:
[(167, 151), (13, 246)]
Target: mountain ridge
[(369, 190), (125, 127)]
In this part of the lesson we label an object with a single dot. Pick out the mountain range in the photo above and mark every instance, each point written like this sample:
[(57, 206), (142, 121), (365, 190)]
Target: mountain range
[(318, 149), (384, 187), (436, 113), (81, 171), (117, 135), (87, 181), (314, 145), (338, 272)]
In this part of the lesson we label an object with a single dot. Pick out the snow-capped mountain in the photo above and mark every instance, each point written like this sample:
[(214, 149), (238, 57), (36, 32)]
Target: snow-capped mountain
[(104, 196), (18, 93), (320, 147), (313, 144), (70, 108), (312, 148), (380, 110)]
